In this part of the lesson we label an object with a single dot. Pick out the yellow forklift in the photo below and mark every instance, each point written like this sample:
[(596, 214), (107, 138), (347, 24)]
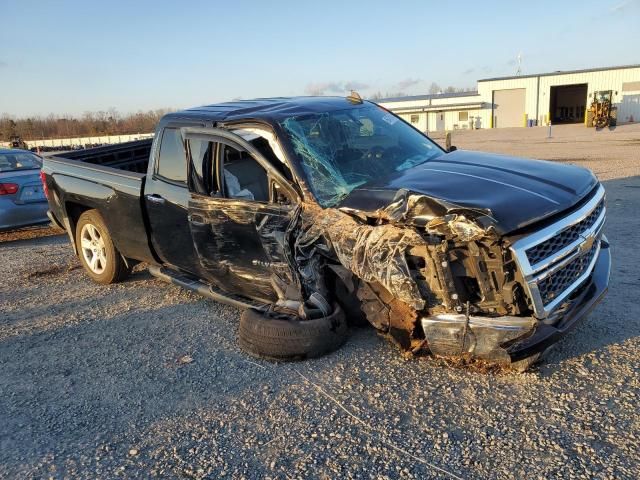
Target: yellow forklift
[(15, 141), (602, 112)]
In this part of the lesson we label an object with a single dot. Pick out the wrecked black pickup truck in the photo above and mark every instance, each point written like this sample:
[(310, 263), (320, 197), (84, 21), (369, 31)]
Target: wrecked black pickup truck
[(308, 212)]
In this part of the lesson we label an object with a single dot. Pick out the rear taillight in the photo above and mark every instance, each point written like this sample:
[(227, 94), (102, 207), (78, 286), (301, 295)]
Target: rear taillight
[(8, 188), (44, 184)]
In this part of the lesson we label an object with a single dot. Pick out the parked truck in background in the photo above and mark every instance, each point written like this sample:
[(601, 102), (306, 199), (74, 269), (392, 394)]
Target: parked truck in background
[(307, 211)]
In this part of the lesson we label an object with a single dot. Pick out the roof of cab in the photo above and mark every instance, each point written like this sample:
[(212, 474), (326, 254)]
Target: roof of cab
[(273, 109)]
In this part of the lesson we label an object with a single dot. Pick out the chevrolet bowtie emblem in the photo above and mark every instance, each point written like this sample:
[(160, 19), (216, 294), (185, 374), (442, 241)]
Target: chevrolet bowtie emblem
[(587, 244)]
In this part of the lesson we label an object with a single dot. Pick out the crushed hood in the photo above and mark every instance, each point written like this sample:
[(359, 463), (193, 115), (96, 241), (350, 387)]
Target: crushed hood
[(510, 192)]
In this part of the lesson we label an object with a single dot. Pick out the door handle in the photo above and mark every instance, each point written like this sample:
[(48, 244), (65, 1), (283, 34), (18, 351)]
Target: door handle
[(155, 199)]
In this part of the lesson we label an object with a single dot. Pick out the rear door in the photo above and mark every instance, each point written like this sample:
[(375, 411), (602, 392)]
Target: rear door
[(166, 199), (239, 218)]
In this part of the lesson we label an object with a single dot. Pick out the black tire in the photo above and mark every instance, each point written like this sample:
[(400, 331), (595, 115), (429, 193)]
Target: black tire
[(524, 364), (291, 339), (112, 266), (601, 122)]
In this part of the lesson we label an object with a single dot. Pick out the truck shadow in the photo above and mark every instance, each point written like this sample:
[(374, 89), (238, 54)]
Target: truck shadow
[(124, 379), (39, 234), (121, 366), (617, 319)]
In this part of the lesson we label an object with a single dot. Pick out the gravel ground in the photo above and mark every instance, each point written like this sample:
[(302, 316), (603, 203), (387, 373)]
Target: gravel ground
[(144, 379)]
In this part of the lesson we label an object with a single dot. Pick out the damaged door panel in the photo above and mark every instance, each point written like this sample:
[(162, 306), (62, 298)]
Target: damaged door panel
[(240, 244), (239, 231), (319, 205)]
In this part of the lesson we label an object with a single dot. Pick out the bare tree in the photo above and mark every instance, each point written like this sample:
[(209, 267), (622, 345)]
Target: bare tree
[(8, 128), (434, 88), (89, 124), (379, 96)]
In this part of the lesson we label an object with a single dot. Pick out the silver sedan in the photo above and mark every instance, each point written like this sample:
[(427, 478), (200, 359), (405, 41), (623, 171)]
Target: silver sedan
[(22, 199)]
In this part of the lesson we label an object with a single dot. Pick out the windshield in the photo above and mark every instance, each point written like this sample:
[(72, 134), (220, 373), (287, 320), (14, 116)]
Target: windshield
[(10, 162), (344, 149)]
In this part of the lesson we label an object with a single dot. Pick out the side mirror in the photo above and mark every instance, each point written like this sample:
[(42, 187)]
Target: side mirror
[(452, 148)]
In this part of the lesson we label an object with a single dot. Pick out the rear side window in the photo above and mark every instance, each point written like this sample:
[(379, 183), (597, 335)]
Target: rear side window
[(172, 161), (10, 162)]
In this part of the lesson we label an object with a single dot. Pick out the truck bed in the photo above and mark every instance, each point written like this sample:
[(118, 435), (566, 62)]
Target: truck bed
[(129, 156), (109, 179)]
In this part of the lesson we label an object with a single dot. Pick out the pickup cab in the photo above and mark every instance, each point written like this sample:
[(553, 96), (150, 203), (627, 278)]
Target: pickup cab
[(309, 211)]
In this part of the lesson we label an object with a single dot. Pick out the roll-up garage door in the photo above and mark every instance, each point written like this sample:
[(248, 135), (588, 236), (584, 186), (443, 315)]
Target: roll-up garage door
[(508, 108)]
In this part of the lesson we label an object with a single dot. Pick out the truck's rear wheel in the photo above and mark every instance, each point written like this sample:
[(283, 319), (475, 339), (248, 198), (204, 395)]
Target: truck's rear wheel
[(282, 338), (99, 257)]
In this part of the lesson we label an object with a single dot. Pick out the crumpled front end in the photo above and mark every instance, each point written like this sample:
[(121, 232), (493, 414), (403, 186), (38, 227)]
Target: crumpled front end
[(434, 277), (430, 281)]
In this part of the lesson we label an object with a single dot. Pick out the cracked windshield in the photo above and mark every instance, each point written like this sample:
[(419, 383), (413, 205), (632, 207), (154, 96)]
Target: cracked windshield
[(345, 149)]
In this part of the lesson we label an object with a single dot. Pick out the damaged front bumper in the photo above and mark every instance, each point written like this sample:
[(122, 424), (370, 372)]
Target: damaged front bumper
[(507, 339)]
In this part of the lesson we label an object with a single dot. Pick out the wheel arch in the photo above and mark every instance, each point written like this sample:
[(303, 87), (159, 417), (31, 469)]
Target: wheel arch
[(344, 286), (72, 211)]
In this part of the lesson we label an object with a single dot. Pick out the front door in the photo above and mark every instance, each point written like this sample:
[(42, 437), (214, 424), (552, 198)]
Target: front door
[(239, 226), (440, 121)]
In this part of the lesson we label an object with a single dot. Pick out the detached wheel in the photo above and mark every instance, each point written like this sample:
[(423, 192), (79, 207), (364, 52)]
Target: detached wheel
[(291, 338), (99, 257)]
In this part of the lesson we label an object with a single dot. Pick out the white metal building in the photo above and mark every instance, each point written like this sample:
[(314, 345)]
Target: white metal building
[(524, 100), (446, 111)]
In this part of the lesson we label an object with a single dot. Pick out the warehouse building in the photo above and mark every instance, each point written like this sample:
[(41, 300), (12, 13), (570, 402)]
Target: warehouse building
[(524, 100)]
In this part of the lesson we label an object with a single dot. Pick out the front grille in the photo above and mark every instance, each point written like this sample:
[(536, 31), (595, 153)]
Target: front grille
[(555, 260), (556, 283), (566, 237)]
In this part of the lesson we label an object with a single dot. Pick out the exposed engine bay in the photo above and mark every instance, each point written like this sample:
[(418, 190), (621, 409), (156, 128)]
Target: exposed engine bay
[(434, 282)]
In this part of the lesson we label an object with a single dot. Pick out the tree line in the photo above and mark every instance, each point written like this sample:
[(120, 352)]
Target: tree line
[(89, 124), (111, 122)]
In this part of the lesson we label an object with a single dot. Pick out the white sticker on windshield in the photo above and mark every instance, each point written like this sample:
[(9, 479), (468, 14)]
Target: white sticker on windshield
[(390, 119)]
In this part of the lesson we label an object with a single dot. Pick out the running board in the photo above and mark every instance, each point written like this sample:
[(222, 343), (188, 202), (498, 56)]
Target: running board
[(204, 289)]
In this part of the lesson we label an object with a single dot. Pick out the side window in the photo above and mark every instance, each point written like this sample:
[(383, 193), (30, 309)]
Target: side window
[(172, 162), (200, 170), (243, 176)]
